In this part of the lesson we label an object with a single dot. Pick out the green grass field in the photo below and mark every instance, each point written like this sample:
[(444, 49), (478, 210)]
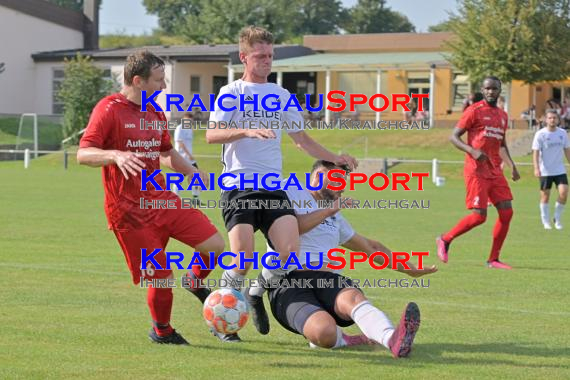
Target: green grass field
[(68, 309)]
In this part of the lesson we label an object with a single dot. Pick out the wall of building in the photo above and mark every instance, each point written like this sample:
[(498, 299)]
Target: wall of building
[(22, 36)]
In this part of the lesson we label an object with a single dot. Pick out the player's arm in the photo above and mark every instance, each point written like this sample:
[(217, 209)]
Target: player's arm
[(127, 162), (304, 142), (359, 243), (515, 176), (185, 149), (173, 160), (456, 140), (535, 155), (567, 153)]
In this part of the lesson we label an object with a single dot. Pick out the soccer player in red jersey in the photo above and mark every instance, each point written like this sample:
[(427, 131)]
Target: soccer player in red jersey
[(486, 126), (115, 141)]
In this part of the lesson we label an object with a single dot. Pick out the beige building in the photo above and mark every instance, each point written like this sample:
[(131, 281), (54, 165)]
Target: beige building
[(29, 26)]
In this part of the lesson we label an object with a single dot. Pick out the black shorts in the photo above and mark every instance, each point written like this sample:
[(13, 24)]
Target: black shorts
[(261, 218), (546, 182), (292, 306)]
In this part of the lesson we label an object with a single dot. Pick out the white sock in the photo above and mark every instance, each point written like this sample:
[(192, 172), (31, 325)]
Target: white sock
[(196, 192), (232, 280), (373, 323), (544, 213), (558, 211)]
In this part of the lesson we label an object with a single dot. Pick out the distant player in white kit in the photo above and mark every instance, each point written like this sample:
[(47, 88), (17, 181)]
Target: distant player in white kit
[(183, 139), (254, 152), (549, 146)]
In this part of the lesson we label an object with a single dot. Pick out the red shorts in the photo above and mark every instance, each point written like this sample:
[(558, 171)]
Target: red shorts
[(190, 226), (481, 191)]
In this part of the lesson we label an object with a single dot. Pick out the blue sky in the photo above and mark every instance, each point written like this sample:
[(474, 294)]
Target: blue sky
[(130, 15)]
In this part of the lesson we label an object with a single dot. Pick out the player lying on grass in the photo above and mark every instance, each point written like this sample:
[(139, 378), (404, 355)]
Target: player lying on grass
[(317, 313)]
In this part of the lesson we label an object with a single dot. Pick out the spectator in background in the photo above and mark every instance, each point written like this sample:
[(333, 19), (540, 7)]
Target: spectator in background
[(183, 138)]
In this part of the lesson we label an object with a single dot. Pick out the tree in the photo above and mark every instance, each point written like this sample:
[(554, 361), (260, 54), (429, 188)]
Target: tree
[(527, 40), (373, 16), (318, 16), (443, 26), (172, 14), (83, 86), (119, 40)]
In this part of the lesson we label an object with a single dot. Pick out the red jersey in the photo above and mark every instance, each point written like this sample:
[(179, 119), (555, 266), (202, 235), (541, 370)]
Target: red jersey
[(486, 128), (115, 124)]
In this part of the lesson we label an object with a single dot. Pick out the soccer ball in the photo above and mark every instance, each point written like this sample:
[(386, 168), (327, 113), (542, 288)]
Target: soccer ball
[(226, 311)]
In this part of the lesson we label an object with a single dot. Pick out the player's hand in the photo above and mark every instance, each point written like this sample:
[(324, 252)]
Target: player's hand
[(128, 162), (341, 203), (516, 176), (345, 159), (479, 155), (537, 172), (262, 134), (203, 176), (415, 272)]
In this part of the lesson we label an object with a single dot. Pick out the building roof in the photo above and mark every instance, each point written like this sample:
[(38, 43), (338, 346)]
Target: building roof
[(378, 42), (47, 11), (188, 53), (359, 62)]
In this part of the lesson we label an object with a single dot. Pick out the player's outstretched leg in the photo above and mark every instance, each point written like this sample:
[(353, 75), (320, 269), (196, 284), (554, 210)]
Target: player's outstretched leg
[(403, 337), (477, 217)]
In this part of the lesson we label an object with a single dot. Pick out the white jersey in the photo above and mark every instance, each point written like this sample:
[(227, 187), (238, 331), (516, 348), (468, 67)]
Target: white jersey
[(550, 146), (331, 233), (252, 155), (185, 135)]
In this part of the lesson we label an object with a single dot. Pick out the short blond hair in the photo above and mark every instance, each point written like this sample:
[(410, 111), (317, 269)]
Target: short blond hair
[(252, 34)]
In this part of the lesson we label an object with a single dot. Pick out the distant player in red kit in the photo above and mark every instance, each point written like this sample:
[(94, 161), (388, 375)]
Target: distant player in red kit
[(486, 126), (114, 140)]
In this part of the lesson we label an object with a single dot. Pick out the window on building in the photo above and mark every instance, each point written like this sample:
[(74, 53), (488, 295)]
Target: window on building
[(460, 90), (194, 84), (361, 82), (418, 83)]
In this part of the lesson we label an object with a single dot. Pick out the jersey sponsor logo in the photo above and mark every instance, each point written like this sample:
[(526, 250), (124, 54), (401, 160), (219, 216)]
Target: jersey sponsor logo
[(130, 125)]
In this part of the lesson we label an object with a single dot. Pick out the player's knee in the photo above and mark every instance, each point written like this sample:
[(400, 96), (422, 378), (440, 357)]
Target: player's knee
[(324, 335), (479, 218)]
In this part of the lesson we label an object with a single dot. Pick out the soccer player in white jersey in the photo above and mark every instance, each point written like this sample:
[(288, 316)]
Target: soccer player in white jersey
[(318, 312), (549, 146), (256, 152)]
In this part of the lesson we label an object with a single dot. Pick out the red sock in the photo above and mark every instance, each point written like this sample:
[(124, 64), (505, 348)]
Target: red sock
[(500, 232), (199, 273), (160, 304), (470, 221)]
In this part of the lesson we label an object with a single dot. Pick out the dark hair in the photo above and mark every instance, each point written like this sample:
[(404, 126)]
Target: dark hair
[(492, 77), (328, 165), (140, 63)]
